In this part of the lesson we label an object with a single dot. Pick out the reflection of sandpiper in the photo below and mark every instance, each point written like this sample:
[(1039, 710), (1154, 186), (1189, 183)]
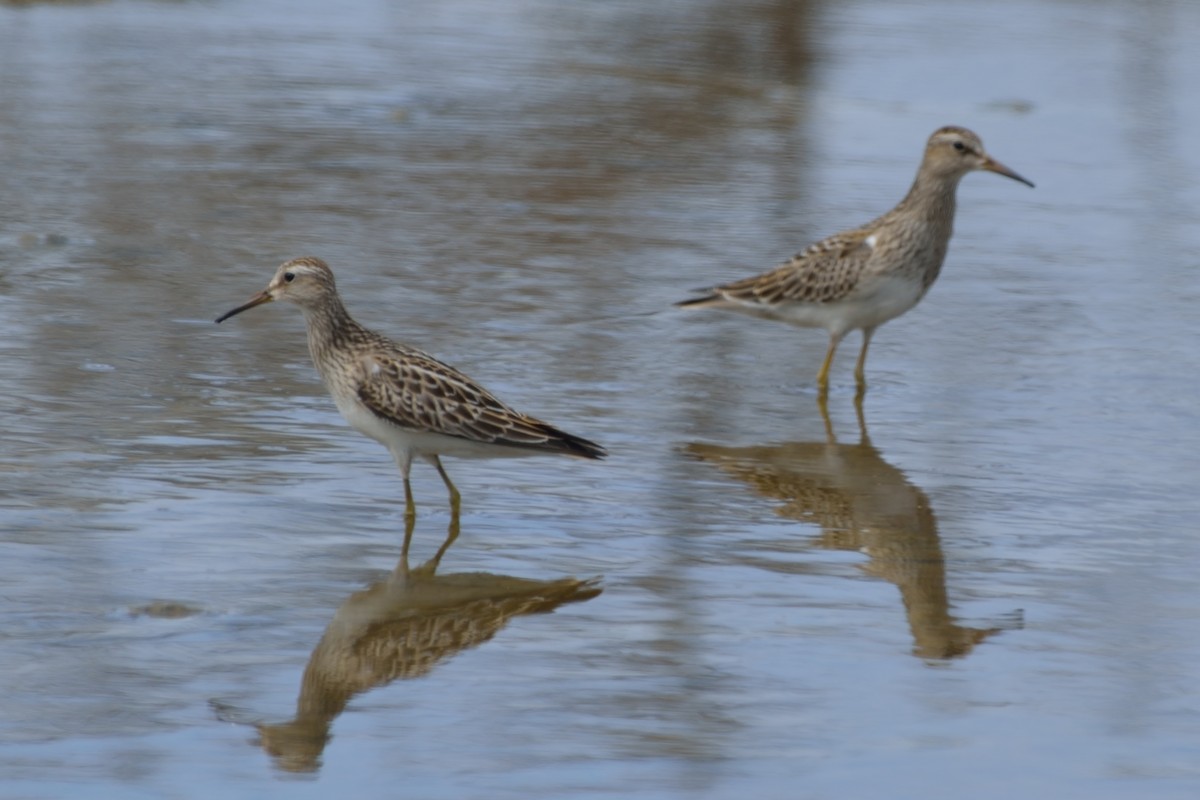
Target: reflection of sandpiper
[(862, 503), (399, 628)]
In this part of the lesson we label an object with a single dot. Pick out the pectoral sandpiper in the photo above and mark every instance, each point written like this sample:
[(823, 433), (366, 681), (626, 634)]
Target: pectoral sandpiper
[(407, 400), (863, 277)]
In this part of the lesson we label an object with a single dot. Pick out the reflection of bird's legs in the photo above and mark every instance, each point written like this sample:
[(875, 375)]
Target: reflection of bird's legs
[(824, 408), (429, 567), (410, 508), (451, 537), (860, 371), (830, 436), (410, 522), (863, 438), (455, 497)]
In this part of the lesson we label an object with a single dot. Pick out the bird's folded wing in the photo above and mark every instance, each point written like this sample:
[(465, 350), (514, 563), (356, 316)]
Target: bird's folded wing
[(825, 272), (421, 393)]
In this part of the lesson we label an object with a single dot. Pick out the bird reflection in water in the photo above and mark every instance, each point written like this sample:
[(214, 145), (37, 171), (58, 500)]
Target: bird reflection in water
[(402, 627), (862, 503)]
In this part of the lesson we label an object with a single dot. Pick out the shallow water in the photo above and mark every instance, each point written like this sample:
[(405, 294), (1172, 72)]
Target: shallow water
[(985, 587)]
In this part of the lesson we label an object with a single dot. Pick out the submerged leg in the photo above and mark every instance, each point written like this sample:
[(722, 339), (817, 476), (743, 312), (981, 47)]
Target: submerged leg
[(823, 375), (455, 497), (860, 374)]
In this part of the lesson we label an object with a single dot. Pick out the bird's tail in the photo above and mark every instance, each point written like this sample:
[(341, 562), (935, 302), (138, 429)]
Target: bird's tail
[(574, 445), (707, 301)]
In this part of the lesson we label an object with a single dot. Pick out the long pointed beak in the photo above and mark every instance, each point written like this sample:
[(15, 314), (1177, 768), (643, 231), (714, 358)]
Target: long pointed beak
[(992, 165), (257, 300)]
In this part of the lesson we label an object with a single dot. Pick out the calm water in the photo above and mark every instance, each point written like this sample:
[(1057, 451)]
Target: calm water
[(988, 588)]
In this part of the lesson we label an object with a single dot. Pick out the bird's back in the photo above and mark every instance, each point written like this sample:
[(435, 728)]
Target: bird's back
[(377, 381)]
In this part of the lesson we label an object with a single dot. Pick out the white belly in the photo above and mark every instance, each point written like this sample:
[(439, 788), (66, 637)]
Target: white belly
[(868, 307), (881, 300)]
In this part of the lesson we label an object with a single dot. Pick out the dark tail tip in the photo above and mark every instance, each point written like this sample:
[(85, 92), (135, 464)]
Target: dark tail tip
[(578, 446), (697, 302)]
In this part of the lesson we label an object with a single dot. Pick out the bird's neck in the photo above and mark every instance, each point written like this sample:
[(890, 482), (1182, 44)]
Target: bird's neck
[(330, 328), (931, 198)]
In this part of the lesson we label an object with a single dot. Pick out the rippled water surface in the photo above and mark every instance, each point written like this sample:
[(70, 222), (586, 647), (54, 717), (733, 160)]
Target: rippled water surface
[(987, 587)]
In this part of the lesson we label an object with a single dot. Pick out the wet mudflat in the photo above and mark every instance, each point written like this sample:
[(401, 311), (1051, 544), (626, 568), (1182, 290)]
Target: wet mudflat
[(985, 586)]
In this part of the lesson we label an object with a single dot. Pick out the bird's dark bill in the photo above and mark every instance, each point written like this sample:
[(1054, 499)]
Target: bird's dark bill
[(998, 168), (257, 300)]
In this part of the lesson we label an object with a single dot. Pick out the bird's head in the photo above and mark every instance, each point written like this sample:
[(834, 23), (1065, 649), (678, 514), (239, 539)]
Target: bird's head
[(953, 152), (305, 281)]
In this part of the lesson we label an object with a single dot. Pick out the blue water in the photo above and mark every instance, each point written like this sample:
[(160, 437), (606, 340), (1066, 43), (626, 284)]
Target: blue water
[(991, 595)]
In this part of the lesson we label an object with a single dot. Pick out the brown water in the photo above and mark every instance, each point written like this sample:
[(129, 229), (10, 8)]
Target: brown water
[(988, 589)]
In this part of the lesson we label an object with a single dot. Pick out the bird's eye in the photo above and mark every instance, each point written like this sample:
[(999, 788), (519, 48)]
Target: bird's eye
[(959, 146), (288, 277)]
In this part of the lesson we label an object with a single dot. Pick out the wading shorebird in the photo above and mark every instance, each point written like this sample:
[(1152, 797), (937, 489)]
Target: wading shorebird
[(407, 400), (861, 278)]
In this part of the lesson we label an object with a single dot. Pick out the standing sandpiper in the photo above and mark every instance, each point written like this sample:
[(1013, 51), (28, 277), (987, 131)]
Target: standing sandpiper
[(863, 277), (410, 402)]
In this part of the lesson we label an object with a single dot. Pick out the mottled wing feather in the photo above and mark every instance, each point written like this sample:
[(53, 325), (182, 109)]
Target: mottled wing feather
[(419, 392), (825, 272)]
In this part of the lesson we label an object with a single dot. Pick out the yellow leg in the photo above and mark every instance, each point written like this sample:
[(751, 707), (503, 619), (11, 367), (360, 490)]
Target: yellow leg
[(823, 375), (455, 497), (860, 371)]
